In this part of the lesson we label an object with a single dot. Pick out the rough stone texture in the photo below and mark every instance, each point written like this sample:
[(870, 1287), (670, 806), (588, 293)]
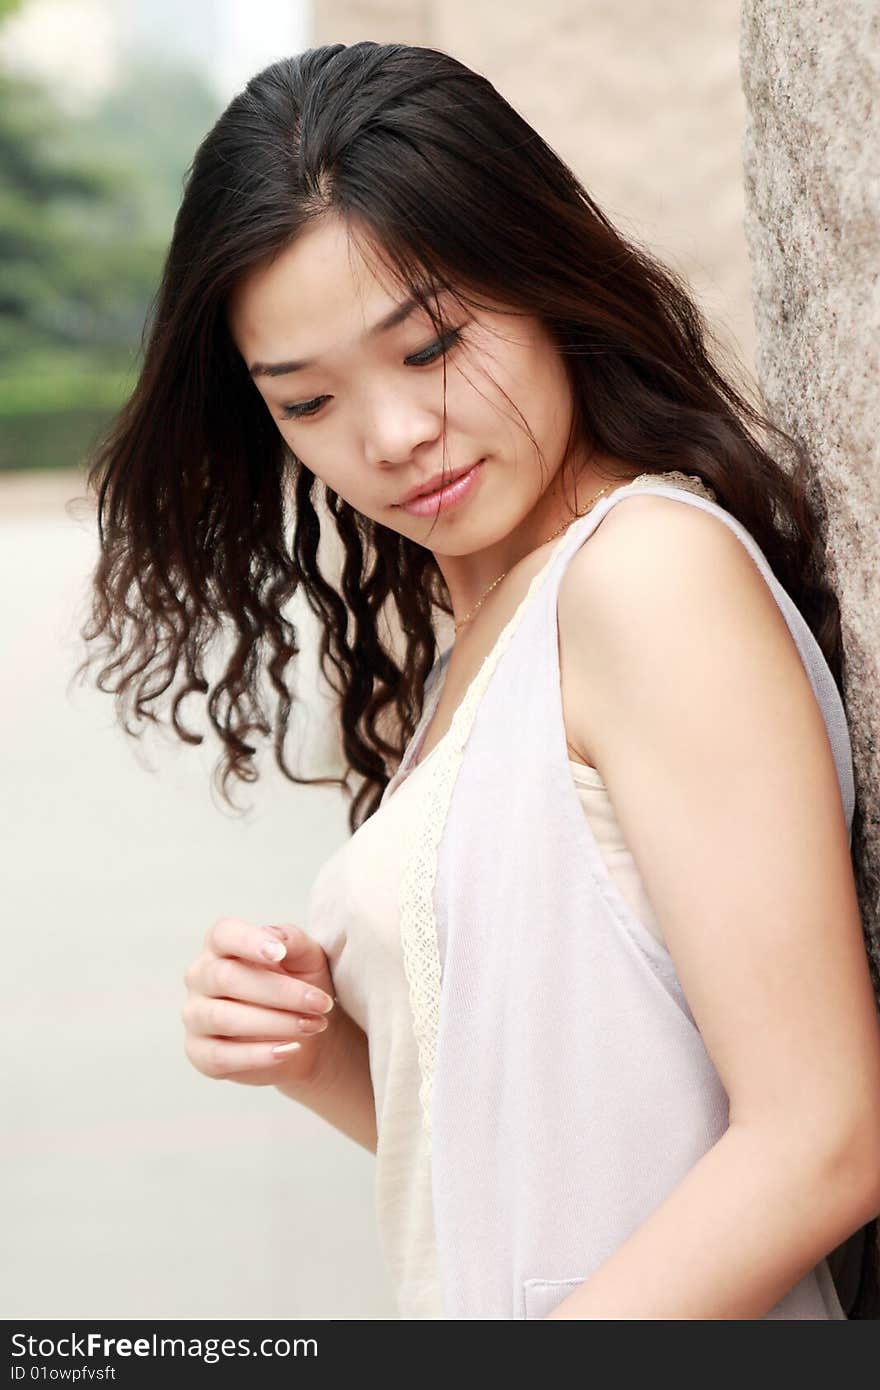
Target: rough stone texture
[(811, 155)]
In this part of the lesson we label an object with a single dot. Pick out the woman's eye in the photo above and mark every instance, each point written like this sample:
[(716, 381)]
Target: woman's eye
[(436, 349), (293, 412), (420, 359)]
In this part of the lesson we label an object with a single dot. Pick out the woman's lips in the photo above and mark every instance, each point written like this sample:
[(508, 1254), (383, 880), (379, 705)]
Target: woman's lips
[(430, 503)]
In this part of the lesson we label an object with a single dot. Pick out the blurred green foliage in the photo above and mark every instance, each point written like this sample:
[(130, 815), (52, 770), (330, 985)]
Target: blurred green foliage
[(86, 212)]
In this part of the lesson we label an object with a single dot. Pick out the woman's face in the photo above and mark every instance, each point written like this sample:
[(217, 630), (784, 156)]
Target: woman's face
[(364, 409)]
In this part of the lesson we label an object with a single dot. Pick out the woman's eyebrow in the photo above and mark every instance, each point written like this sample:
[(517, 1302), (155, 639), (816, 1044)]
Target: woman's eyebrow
[(397, 315)]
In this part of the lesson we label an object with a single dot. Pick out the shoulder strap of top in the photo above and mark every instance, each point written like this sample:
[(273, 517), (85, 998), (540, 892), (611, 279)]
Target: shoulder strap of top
[(689, 482)]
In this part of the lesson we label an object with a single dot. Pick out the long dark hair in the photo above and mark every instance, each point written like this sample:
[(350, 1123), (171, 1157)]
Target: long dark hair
[(193, 480)]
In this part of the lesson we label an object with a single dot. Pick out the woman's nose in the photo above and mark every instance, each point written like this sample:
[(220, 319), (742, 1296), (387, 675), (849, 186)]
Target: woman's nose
[(394, 429)]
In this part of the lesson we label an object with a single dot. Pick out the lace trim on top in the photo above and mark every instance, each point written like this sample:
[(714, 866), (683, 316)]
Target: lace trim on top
[(418, 927)]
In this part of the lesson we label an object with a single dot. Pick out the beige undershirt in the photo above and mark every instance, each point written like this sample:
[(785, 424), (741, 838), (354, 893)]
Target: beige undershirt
[(353, 912)]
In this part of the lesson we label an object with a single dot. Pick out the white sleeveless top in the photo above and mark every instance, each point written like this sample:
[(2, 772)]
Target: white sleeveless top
[(353, 911)]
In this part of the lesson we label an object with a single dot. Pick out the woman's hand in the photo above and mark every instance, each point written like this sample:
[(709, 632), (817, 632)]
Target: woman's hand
[(251, 990)]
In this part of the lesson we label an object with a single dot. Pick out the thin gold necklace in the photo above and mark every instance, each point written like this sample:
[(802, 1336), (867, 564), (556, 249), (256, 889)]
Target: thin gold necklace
[(593, 500)]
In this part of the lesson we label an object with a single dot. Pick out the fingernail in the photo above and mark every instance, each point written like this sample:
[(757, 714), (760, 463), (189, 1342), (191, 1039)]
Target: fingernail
[(287, 1047), (273, 950), (317, 999), (313, 1025)]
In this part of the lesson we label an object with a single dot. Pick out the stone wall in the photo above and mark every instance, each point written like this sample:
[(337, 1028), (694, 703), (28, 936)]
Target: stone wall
[(811, 155)]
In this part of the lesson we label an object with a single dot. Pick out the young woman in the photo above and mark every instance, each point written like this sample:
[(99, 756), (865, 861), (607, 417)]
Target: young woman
[(589, 975)]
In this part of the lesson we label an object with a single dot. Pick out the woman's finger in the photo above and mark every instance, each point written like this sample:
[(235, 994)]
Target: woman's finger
[(284, 947), (222, 1059), (225, 1018), (226, 978)]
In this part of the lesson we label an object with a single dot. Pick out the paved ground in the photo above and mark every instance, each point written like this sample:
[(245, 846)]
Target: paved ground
[(135, 1187)]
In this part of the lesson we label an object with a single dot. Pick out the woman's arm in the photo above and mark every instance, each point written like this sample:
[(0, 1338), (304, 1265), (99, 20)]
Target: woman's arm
[(341, 1090), (747, 1222), (683, 682)]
